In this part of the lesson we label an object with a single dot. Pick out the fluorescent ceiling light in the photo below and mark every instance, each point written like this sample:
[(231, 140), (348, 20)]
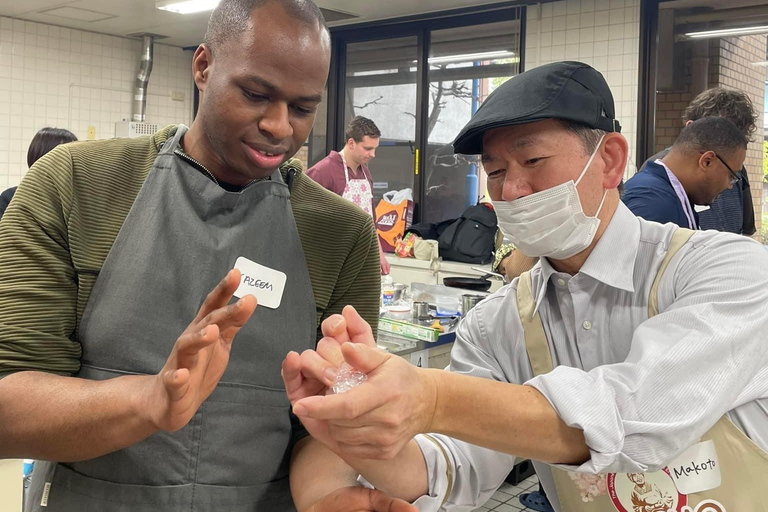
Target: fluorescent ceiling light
[(375, 72), (472, 57), (728, 32), (187, 6)]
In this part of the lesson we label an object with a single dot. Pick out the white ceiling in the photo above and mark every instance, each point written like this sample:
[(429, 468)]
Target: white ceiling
[(131, 16)]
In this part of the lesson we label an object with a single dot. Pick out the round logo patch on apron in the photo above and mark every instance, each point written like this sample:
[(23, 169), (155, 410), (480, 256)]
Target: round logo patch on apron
[(645, 492)]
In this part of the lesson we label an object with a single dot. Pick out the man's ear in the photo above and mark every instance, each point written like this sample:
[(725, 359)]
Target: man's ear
[(705, 160), (614, 153), (201, 66)]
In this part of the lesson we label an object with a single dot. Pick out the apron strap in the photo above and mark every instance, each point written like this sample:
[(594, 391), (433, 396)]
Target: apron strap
[(536, 343), (346, 167), (533, 330), (679, 238)]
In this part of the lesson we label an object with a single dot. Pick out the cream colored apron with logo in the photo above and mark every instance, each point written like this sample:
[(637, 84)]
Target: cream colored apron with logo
[(743, 464)]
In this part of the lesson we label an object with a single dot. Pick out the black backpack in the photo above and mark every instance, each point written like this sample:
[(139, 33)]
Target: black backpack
[(470, 238)]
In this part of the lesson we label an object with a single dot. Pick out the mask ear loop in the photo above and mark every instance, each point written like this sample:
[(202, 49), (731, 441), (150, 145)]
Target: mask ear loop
[(583, 172), (605, 193), (589, 162)]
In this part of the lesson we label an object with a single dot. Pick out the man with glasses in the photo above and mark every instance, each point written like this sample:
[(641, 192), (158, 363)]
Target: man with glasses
[(699, 166), (733, 210)]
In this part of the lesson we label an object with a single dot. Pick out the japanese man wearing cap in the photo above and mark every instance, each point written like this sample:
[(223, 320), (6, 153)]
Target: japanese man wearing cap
[(629, 364)]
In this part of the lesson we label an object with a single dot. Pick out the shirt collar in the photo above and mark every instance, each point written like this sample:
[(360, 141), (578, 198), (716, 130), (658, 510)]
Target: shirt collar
[(612, 261), (336, 155)]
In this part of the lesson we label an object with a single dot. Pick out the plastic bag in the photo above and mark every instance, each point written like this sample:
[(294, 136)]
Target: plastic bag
[(394, 215)]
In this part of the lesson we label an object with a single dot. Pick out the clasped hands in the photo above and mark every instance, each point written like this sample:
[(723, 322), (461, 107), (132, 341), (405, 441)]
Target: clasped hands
[(372, 421)]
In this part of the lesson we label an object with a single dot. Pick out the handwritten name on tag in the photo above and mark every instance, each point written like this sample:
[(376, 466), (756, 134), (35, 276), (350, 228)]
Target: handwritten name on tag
[(264, 283), (696, 469)]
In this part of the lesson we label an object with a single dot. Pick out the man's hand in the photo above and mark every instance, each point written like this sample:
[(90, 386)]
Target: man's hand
[(199, 357), (314, 371), (383, 262), (360, 499), (378, 418)]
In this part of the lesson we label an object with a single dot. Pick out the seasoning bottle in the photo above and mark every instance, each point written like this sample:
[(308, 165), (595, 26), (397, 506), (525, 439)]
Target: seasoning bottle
[(387, 291)]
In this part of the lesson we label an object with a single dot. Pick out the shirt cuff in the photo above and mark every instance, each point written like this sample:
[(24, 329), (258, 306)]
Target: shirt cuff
[(440, 478), (585, 403), (440, 474)]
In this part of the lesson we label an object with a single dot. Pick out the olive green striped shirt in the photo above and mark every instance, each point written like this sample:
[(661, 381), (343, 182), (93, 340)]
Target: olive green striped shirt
[(66, 214)]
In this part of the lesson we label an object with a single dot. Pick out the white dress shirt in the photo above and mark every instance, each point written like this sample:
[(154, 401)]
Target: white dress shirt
[(641, 389)]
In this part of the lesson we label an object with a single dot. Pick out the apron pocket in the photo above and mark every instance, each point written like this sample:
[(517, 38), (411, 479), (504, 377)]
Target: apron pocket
[(164, 458), (274, 497), (73, 492), (246, 436)]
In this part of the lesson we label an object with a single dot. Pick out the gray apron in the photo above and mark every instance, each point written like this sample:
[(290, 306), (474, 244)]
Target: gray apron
[(182, 235)]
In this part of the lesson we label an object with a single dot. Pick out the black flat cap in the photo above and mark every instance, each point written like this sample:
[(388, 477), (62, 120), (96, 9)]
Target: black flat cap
[(572, 91)]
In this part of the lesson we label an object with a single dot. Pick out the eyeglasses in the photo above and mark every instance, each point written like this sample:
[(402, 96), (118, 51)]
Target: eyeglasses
[(735, 178)]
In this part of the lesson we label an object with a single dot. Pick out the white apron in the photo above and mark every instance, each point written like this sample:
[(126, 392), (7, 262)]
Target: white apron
[(357, 191)]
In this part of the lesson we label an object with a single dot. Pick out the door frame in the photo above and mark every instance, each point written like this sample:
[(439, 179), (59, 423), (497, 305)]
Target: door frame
[(419, 26)]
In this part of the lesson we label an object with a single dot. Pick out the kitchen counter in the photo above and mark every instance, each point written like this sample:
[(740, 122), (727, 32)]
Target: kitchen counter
[(411, 270), (427, 354), (444, 339)]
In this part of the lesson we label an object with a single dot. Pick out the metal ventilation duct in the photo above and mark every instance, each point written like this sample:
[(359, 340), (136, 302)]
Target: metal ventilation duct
[(142, 79)]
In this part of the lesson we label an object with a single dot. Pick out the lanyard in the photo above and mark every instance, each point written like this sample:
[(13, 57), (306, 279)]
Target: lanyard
[(681, 195)]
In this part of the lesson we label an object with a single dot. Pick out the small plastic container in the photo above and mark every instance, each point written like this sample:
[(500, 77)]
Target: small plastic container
[(447, 305)]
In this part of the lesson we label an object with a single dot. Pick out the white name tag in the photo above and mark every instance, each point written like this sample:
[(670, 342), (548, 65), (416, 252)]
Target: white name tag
[(265, 284), (696, 469)]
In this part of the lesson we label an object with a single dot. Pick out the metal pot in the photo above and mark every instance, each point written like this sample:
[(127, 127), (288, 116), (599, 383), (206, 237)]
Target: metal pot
[(399, 291), (468, 301), (421, 310)]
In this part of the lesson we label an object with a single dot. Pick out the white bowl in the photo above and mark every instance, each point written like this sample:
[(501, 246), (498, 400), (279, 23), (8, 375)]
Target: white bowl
[(399, 312)]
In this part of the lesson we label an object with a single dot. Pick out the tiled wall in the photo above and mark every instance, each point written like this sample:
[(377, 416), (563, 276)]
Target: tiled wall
[(602, 33), (671, 104), (74, 79), (730, 66), (669, 114), (303, 155)]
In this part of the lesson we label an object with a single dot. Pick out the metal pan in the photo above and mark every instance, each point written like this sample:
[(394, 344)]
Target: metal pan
[(488, 273), (479, 284)]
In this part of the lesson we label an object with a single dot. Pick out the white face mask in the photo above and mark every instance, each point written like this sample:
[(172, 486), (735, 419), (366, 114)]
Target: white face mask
[(550, 223)]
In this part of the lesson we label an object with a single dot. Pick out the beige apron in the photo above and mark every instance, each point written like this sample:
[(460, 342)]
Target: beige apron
[(743, 464)]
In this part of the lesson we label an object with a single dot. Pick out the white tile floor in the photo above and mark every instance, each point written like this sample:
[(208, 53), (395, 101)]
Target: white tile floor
[(506, 498)]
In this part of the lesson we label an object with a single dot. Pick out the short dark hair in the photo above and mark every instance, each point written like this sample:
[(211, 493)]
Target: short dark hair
[(590, 137), (45, 140), (231, 17), (360, 127), (711, 133), (732, 105)]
